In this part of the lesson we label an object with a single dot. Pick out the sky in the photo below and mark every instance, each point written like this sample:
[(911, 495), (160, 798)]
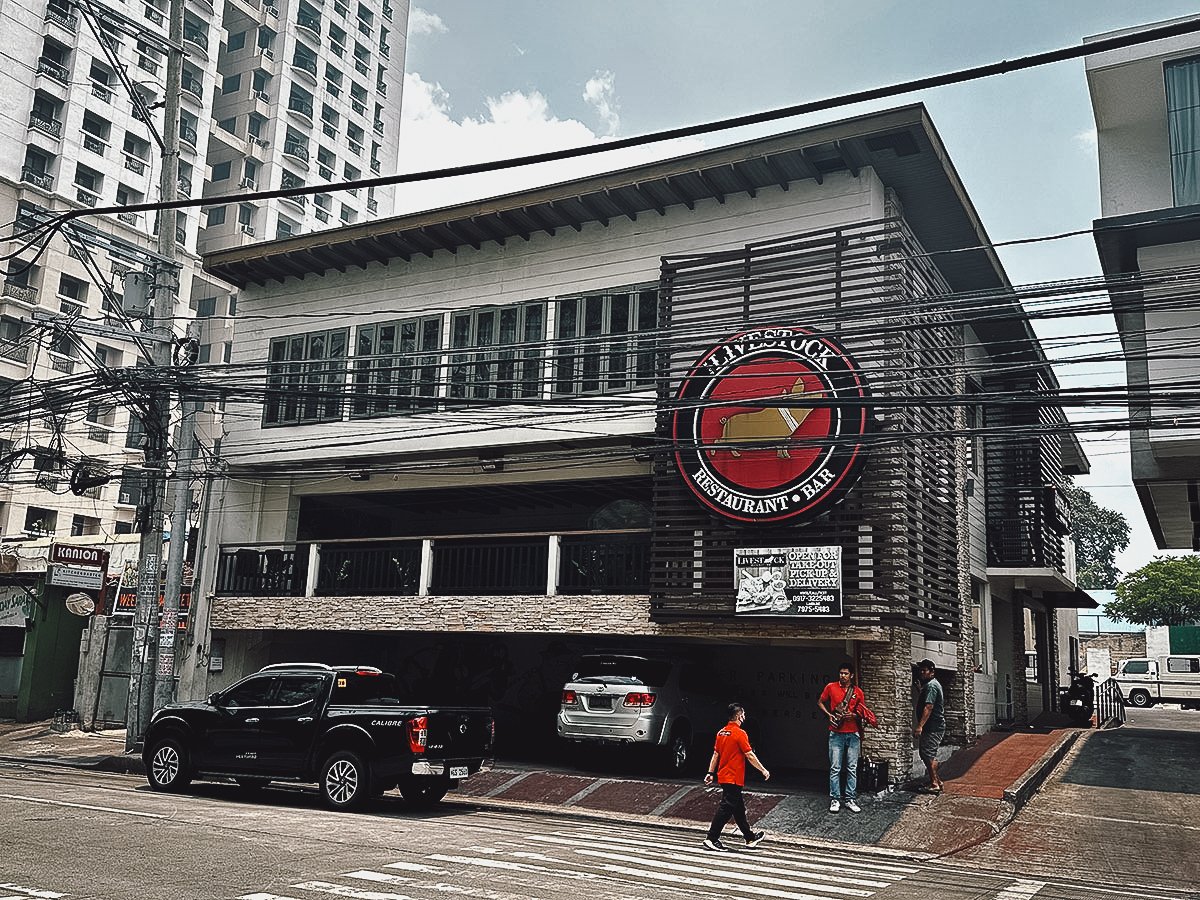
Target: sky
[(488, 80)]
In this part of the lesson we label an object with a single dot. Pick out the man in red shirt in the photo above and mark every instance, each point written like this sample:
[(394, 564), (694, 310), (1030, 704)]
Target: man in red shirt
[(728, 768), (839, 701)]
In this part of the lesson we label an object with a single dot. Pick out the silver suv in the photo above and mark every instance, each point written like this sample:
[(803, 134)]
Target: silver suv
[(628, 699)]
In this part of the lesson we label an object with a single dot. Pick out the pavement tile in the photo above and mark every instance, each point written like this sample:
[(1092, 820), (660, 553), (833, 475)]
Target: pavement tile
[(483, 783), (545, 787), (634, 797), (699, 804)]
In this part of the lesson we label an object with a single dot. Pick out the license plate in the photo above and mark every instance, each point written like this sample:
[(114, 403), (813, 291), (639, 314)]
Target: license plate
[(600, 702), (458, 771)]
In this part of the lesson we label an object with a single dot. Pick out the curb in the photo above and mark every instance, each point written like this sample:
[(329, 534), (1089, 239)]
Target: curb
[(122, 765), (1026, 786)]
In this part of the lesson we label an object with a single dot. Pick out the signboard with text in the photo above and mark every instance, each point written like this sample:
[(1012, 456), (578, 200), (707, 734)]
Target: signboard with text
[(87, 577), (803, 582), (124, 591)]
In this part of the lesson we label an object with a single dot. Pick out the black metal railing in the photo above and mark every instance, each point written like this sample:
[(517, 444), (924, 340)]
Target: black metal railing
[(604, 564), (490, 567), (371, 570), (1110, 704), (277, 571)]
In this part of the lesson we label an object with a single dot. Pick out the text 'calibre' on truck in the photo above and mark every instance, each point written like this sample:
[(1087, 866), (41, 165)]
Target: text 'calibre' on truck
[(343, 728)]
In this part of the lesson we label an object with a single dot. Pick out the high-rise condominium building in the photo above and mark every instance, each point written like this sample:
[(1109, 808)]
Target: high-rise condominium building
[(275, 93)]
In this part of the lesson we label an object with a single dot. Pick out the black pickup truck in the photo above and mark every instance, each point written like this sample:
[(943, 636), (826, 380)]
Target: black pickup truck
[(341, 727)]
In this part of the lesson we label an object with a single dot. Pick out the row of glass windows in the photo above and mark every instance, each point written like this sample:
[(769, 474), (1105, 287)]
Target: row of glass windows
[(604, 343)]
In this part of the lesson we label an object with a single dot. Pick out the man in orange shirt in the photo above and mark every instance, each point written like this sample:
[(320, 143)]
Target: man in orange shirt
[(728, 768), (840, 701)]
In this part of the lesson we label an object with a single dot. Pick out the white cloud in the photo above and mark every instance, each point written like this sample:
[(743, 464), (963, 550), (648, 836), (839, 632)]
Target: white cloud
[(600, 93), (1086, 139), (516, 123), (422, 22)]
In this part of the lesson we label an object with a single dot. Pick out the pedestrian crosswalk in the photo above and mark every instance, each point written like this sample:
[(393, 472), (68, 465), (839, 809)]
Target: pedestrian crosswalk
[(613, 862)]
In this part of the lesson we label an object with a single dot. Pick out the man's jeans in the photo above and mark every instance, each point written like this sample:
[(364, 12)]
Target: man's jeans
[(843, 752)]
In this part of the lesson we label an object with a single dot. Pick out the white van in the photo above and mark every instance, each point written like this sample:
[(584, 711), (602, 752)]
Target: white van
[(1163, 679)]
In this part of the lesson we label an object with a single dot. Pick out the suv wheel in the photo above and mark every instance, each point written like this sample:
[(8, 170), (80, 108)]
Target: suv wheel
[(345, 781), (679, 751), (423, 792), (168, 769)]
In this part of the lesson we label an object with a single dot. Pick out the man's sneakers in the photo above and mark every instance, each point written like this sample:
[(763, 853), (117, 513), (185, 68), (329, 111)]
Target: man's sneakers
[(755, 839), (715, 844), (835, 805), (852, 806)]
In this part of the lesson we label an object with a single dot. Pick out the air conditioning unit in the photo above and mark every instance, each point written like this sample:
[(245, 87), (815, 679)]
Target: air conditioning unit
[(248, 229), (263, 96), (267, 52), (259, 141), (248, 183)]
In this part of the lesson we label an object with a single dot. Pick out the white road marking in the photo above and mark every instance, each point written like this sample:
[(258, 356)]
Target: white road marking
[(441, 887), (264, 897), (513, 867), (417, 867), (1020, 890), (721, 886), (377, 877), (28, 892), (112, 809), (834, 886), (339, 890)]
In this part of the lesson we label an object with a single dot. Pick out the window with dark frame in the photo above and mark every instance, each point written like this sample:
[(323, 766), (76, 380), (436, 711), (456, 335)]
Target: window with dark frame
[(396, 367), (503, 352), (605, 342), (306, 378)]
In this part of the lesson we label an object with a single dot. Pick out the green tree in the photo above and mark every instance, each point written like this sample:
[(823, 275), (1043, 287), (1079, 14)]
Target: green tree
[(1165, 591), (1100, 534)]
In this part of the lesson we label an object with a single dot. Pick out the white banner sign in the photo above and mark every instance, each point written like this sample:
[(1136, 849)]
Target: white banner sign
[(77, 577), (788, 581)]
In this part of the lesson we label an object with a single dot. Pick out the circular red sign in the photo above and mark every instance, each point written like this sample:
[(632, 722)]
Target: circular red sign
[(769, 425)]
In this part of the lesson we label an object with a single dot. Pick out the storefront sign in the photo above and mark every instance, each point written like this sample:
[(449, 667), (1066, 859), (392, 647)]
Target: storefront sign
[(125, 594), (76, 576), (769, 425), (788, 581), (15, 606), (74, 555)]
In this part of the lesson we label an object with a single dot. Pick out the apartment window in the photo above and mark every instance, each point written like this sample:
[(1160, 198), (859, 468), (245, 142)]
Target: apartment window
[(84, 525), (229, 125), (396, 367), (254, 126), (1183, 128), (333, 80), (337, 40), (221, 170), (127, 196), (250, 172), (205, 354), (285, 228), (72, 289), (205, 307), (305, 59), (88, 179), (305, 378), (266, 38), (259, 80), (505, 345), (348, 215), (601, 349), (231, 84), (132, 483), (40, 522), (216, 216), (301, 101), (246, 216), (236, 41)]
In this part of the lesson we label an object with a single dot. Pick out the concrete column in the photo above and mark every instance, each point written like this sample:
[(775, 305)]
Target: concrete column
[(552, 563), (426, 577), (314, 570), (91, 664), (1019, 685), (885, 675)]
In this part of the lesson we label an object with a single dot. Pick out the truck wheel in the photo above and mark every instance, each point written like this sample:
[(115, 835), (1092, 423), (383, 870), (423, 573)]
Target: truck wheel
[(345, 781), (169, 769), (679, 751), (1140, 699), (423, 793)]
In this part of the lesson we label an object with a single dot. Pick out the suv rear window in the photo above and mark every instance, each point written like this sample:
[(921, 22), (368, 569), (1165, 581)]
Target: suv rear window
[(1137, 667), (354, 689), (622, 670)]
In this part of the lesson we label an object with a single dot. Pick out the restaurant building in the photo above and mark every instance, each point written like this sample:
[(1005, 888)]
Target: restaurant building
[(770, 406)]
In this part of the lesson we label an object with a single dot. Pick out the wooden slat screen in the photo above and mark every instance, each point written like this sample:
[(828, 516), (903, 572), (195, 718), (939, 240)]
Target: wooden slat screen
[(866, 285)]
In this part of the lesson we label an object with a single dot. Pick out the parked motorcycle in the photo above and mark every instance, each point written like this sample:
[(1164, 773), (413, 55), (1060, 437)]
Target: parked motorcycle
[(1078, 699)]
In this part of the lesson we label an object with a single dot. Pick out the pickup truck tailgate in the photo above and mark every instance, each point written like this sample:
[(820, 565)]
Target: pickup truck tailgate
[(459, 733)]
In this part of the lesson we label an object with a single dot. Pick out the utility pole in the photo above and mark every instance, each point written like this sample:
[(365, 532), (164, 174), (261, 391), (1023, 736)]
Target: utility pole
[(145, 655)]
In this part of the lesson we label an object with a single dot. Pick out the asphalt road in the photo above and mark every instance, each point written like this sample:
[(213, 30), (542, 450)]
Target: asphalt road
[(77, 835)]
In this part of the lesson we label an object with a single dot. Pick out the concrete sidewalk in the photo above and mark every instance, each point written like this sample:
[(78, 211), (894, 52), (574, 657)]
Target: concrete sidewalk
[(985, 785)]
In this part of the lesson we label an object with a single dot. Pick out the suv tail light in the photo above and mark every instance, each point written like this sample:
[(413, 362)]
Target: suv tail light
[(636, 699), (570, 698), (418, 733)]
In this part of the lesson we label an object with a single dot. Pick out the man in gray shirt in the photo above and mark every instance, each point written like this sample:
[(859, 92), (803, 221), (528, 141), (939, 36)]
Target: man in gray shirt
[(930, 721)]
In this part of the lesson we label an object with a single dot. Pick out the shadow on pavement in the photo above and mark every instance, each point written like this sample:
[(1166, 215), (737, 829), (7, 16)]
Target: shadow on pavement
[(1139, 759)]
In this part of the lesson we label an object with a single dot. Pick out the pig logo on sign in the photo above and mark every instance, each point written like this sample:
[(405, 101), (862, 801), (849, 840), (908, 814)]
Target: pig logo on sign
[(769, 425)]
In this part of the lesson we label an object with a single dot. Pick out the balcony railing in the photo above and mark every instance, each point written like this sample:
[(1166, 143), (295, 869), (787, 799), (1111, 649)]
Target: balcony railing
[(359, 106), (188, 135), (387, 12), (198, 38), (325, 172), (296, 149), (22, 292), (133, 164), (100, 92), (147, 64), (14, 352), (52, 127), (193, 86), (329, 129), (362, 67), (63, 19), (93, 144), (101, 433), (378, 126), (372, 205), (53, 70), (41, 179), (537, 564), (86, 196), (185, 187), (153, 15), (312, 23), (305, 63), (338, 49), (64, 364), (322, 216), (129, 218), (376, 166), (295, 104)]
